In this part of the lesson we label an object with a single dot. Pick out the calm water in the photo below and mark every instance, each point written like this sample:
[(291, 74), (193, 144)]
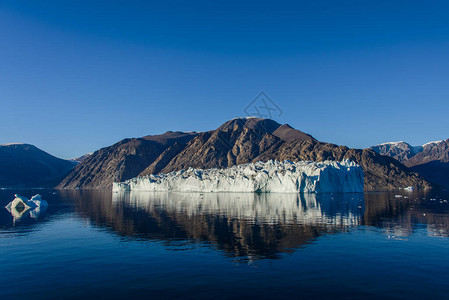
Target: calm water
[(147, 245)]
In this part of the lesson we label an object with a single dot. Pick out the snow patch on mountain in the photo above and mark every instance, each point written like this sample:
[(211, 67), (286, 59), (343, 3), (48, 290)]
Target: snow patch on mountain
[(264, 177), (392, 143), (434, 142), (11, 144)]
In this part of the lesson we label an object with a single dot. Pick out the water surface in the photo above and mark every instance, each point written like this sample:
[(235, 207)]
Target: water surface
[(95, 244)]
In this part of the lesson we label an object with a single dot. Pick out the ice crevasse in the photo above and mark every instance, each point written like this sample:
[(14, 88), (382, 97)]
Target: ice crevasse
[(265, 177)]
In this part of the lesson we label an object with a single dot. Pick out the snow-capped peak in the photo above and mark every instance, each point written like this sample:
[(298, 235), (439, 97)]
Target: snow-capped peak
[(392, 143), (246, 118), (434, 142), (10, 144)]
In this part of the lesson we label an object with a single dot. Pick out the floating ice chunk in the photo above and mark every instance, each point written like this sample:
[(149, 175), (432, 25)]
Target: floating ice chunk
[(21, 206), (20, 203), (37, 200), (271, 176), (35, 213)]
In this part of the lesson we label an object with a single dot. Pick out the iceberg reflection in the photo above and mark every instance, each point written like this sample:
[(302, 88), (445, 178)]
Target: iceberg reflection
[(243, 225), (325, 209)]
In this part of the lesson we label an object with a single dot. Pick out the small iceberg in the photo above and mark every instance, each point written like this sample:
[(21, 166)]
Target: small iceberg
[(22, 203), (37, 200), (22, 206)]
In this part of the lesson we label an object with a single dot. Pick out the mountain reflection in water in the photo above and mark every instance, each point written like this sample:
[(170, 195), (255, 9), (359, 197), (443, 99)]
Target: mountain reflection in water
[(241, 225), (95, 244), (256, 225)]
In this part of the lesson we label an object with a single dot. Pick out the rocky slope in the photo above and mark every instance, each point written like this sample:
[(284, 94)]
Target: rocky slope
[(24, 165), (401, 151), (238, 141), (431, 160), (121, 161)]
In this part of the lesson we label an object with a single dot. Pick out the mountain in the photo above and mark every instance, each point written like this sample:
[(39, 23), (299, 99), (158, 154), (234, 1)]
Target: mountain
[(238, 141), (401, 151), (235, 142), (431, 160), (81, 158), (123, 160), (24, 165)]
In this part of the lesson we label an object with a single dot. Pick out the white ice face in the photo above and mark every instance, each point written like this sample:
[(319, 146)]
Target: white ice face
[(22, 206), (271, 176)]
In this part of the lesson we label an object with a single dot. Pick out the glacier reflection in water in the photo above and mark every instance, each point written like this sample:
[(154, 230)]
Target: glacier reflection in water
[(240, 224), (173, 245), (342, 209)]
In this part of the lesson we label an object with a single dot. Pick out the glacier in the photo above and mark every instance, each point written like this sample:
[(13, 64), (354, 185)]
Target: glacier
[(263, 177)]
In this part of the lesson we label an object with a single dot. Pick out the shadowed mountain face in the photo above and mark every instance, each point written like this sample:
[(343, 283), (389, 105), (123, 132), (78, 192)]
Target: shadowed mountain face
[(431, 161), (23, 165), (238, 141)]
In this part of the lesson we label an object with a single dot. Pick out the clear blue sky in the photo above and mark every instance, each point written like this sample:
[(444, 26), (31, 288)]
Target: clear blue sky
[(79, 75)]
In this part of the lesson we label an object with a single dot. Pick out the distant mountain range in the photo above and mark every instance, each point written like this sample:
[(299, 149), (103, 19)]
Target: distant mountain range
[(241, 140), (430, 160), (24, 165), (80, 159), (238, 141)]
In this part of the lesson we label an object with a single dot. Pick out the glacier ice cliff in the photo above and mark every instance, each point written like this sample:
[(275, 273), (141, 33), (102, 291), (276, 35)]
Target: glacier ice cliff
[(265, 177)]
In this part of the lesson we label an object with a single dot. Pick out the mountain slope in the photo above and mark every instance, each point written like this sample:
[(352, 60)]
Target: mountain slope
[(401, 151), (238, 141), (121, 161), (431, 160), (24, 165)]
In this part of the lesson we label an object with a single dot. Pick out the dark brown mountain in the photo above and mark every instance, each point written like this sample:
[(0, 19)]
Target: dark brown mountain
[(121, 161), (237, 141), (24, 165), (431, 160)]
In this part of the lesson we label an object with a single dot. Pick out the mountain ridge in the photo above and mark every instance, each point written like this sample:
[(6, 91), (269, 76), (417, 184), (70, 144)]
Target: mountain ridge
[(25, 165), (430, 160), (237, 141)]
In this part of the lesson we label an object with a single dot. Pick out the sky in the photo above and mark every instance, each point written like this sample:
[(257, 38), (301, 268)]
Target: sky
[(76, 76)]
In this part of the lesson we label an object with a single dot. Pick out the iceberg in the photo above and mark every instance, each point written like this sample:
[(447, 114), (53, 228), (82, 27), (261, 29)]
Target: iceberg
[(20, 203), (22, 206), (37, 200), (263, 177)]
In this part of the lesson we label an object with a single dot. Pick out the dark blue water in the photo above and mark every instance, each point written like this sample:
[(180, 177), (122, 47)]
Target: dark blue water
[(146, 245)]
